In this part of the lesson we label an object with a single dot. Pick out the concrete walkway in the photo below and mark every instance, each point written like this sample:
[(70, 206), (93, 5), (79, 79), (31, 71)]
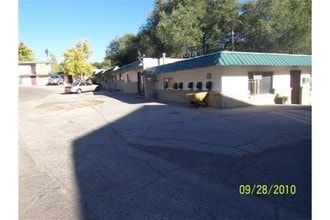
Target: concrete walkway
[(115, 156)]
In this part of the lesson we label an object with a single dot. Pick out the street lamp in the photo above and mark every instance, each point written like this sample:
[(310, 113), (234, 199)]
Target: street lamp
[(47, 53)]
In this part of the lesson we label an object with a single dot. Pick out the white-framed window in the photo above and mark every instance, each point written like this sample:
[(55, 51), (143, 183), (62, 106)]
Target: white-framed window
[(168, 83), (128, 77), (114, 78), (260, 82)]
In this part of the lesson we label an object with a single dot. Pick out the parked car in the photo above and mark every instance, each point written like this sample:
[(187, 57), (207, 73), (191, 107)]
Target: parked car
[(56, 80), (79, 87)]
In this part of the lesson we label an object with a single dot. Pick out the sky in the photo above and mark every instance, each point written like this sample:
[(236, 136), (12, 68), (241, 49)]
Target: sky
[(58, 25)]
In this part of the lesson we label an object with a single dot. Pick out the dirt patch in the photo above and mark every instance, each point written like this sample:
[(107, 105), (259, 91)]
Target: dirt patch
[(57, 106)]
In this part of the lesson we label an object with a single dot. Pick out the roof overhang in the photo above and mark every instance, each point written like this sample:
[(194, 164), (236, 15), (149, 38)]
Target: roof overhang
[(129, 67), (228, 58)]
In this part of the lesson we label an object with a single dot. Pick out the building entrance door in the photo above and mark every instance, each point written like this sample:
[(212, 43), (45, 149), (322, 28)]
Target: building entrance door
[(295, 86), (140, 84), (34, 80)]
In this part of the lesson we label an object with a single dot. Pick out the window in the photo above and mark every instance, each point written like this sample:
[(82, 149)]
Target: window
[(181, 85), (191, 85), (114, 78), (199, 85), (165, 84), (209, 85), (168, 83), (260, 82)]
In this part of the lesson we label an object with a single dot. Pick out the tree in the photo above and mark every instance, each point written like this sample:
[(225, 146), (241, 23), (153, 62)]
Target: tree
[(292, 22), (276, 26), (97, 65), (106, 64), (256, 28), (182, 28), (217, 24), (147, 39), (179, 30), (25, 53), (76, 60), (186, 27), (122, 50)]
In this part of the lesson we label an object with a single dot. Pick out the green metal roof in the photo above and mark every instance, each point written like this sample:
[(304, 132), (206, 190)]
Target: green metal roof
[(56, 73), (263, 59), (227, 58), (109, 71), (125, 68)]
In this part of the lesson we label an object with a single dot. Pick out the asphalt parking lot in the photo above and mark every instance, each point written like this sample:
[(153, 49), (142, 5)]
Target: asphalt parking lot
[(113, 156)]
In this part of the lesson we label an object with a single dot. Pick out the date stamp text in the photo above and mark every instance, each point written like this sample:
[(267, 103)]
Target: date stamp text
[(267, 189)]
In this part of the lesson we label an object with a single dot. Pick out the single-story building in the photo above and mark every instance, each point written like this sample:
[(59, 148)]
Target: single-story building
[(125, 79), (128, 78), (33, 72), (233, 78), (97, 76)]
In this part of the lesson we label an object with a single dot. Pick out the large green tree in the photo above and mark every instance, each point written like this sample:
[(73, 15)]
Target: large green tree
[(75, 60), (122, 50), (219, 20), (181, 28), (186, 27), (148, 41), (105, 64), (293, 25), (275, 26), (24, 52)]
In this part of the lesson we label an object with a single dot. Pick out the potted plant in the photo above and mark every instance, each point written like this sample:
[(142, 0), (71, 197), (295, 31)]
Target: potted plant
[(280, 99)]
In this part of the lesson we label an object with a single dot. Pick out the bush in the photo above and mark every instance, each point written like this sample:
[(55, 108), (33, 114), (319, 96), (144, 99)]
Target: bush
[(280, 99)]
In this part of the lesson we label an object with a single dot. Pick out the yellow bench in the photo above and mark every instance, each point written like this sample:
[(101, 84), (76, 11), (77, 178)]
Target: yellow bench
[(197, 99)]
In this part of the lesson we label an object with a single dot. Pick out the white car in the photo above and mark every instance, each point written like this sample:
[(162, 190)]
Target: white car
[(55, 80), (79, 87)]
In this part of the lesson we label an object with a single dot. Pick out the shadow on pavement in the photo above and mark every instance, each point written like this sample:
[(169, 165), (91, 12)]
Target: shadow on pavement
[(124, 97), (120, 177)]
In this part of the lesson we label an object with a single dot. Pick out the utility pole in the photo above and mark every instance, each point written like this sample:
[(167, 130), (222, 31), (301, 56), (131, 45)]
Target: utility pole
[(49, 62), (47, 54), (232, 40)]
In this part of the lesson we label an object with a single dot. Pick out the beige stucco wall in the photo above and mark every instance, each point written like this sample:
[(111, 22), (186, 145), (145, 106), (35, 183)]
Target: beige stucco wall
[(40, 70), (196, 75), (27, 80), (43, 68), (106, 82), (120, 85), (24, 69), (132, 76), (130, 87), (306, 88), (151, 62), (42, 80), (127, 82), (34, 68), (213, 99), (99, 78), (231, 83)]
